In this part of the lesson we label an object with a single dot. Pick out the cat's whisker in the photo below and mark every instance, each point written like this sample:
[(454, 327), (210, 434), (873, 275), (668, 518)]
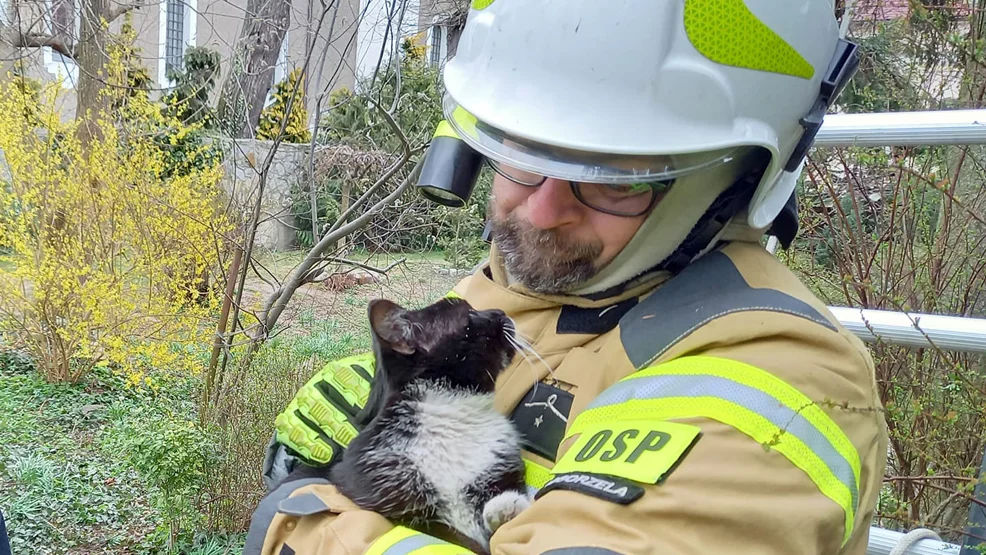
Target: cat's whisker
[(523, 355), (520, 335), (524, 349), (511, 328), (525, 346)]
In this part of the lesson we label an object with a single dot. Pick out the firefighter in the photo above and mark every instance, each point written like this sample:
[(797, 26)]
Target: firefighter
[(694, 397)]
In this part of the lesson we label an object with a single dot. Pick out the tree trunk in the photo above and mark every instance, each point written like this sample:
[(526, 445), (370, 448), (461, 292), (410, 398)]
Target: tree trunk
[(252, 72), (92, 59), (347, 191)]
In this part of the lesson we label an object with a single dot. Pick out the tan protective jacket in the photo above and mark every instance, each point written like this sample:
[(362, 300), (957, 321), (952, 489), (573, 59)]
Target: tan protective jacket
[(738, 417)]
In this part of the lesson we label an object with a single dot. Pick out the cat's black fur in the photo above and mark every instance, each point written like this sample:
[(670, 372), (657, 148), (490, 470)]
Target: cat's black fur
[(436, 452)]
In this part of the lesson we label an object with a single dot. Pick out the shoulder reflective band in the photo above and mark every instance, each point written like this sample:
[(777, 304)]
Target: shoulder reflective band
[(748, 399), (405, 541)]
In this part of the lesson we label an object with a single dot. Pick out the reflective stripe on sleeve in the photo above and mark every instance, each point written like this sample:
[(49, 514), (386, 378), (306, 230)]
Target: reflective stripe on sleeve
[(749, 399), (404, 541), (535, 476)]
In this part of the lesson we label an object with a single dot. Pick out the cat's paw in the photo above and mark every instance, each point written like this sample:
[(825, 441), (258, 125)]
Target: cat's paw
[(504, 507)]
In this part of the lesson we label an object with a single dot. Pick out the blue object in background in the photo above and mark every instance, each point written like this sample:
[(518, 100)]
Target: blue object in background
[(4, 543)]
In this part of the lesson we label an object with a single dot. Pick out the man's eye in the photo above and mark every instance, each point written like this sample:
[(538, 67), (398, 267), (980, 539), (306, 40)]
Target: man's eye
[(625, 190)]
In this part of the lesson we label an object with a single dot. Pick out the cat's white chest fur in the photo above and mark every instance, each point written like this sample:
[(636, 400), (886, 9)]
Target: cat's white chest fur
[(459, 438)]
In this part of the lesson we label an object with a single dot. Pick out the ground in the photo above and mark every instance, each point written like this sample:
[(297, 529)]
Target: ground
[(91, 467), (421, 278)]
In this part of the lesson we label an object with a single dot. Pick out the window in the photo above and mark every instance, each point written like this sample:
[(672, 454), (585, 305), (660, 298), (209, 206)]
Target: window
[(176, 32), (174, 46), (437, 45), (280, 70)]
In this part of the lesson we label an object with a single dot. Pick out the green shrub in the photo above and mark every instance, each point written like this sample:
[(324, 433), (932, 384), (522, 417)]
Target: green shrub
[(171, 454), (247, 412)]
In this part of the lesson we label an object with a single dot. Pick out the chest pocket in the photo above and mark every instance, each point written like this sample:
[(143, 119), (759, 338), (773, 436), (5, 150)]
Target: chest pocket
[(542, 416)]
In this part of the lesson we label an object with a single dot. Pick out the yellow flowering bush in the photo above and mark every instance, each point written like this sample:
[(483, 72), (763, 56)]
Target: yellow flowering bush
[(101, 246)]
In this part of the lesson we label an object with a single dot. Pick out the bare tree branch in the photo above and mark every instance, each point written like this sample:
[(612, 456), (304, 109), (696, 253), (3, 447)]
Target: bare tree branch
[(38, 40), (278, 300), (367, 267), (405, 145), (123, 9)]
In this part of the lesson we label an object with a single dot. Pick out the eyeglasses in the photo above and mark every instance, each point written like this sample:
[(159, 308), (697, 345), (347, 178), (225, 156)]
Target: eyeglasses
[(622, 199)]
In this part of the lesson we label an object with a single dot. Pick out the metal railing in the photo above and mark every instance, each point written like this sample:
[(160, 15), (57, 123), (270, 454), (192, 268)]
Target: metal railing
[(951, 333)]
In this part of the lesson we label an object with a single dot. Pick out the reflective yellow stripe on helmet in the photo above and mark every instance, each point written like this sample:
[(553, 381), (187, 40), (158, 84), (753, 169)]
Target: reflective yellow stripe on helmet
[(444, 129), (727, 32), (404, 541), (466, 121), (749, 399)]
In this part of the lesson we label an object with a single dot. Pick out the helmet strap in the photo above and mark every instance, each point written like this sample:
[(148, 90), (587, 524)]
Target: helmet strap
[(710, 225), (841, 68), (785, 225)]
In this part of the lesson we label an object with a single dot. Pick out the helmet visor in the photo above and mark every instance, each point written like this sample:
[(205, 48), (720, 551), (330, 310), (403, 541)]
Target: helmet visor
[(576, 165)]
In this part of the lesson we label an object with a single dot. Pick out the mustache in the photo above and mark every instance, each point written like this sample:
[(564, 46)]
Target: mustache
[(546, 261), (549, 241)]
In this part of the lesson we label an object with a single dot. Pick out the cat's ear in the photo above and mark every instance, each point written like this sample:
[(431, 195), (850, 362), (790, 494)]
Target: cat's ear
[(390, 326)]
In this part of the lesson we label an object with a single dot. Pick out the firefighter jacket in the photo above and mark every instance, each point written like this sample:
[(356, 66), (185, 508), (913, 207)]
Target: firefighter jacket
[(723, 411)]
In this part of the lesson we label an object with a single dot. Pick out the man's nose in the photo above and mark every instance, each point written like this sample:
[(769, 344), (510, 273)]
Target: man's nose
[(553, 204)]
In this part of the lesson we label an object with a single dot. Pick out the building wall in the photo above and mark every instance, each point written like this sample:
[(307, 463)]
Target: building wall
[(212, 23), (383, 25)]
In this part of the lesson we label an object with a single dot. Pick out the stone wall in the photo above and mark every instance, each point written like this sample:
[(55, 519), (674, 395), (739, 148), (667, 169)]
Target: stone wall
[(242, 162)]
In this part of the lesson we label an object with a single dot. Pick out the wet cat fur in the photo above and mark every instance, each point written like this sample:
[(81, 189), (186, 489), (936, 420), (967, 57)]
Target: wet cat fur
[(436, 451)]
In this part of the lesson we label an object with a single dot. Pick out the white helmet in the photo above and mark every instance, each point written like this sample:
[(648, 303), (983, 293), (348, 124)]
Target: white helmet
[(624, 90)]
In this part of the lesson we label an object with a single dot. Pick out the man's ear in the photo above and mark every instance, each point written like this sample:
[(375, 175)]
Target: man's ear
[(390, 326)]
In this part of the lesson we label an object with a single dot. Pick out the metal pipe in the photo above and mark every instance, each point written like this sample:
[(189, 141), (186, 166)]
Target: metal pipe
[(932, 127), (885, 542), (949, 333)]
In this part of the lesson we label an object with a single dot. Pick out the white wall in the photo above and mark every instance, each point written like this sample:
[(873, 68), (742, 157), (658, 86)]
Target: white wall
[(372, 31)]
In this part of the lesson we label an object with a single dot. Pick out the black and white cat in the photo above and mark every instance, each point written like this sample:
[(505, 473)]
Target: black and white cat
[(436, 451)]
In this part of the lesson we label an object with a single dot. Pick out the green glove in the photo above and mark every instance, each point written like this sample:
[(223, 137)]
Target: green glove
[(321, 420)]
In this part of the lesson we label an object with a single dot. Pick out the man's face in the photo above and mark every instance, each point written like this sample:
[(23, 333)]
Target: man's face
[(550, 241)]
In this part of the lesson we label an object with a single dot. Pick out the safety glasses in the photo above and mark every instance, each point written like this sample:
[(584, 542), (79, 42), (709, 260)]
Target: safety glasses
[(626, 199)]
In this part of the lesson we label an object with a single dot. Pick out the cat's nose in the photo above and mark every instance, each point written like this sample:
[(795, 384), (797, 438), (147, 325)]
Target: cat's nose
[(501, 317)]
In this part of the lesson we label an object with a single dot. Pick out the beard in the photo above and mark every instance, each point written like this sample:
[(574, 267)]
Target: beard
[(544, 261)]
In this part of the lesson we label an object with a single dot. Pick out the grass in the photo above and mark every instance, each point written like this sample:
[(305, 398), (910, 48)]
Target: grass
[(62, 489), (97, 467)]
